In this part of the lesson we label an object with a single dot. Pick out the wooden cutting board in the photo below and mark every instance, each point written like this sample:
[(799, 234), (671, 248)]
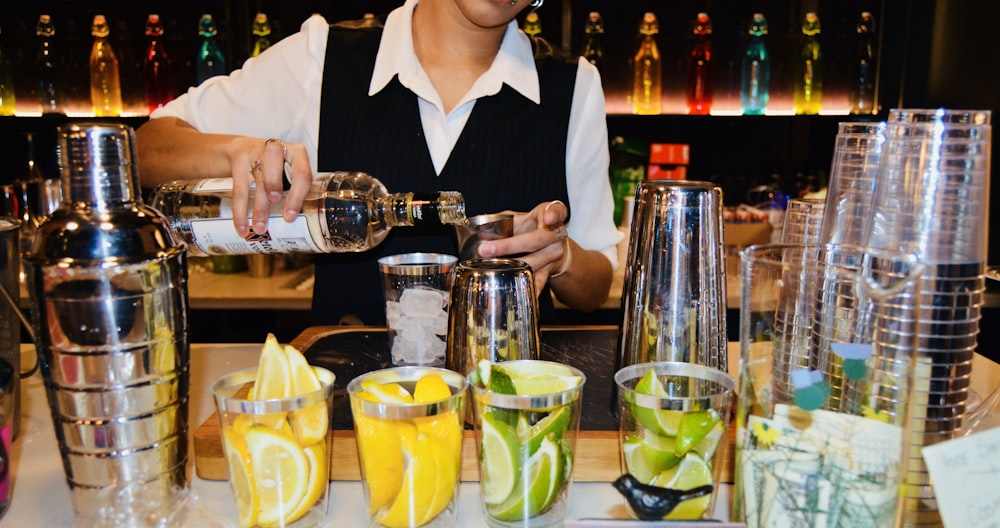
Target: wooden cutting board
[(345, 349)]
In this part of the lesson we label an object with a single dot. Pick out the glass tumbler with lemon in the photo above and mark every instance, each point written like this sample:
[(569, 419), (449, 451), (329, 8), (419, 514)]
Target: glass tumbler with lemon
[(673, 422), (527, 415), (408, 424), (275, 423)]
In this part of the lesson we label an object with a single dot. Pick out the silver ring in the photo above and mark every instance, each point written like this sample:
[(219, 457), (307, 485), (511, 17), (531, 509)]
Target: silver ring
[(284, 147), (553, 202)]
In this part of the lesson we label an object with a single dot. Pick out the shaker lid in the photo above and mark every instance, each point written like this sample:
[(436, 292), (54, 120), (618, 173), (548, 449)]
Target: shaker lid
[(97, 161)]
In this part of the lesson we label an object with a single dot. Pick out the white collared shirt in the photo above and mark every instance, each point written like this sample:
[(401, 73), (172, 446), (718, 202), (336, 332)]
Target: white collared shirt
[(289, 77)]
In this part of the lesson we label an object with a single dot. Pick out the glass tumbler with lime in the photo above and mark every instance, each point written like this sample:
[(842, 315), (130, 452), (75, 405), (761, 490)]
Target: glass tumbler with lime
[(275, 422), (408, 423), (527, 415), (674, 418)]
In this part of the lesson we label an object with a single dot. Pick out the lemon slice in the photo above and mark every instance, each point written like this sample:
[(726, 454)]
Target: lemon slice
[(274, 374), (431, 388), (692, 472), (240, 477), (501, 464), (319, 474), (310, 424), (381, 456), (280, 470), (387, 392), (420, 482)]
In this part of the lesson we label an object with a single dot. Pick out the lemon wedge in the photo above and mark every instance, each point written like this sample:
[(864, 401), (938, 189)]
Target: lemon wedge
[(280, 470)]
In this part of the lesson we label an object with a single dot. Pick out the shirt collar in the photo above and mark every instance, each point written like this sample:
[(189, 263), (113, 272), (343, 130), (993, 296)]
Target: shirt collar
[(514, 64)]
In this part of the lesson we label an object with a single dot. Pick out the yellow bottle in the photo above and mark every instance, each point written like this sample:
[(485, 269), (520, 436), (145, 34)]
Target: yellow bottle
[(105, 87), (647, 80)]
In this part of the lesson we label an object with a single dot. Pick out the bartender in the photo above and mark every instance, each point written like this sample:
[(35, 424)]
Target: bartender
[(446, 95)]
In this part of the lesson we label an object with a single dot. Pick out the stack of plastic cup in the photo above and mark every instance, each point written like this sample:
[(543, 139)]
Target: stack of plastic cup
[(803, 221), (931, 199), (856, 153)]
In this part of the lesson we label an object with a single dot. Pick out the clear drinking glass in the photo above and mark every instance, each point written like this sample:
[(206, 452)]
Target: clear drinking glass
[(674, 418), (277, 451), (410, 449), (526, 445), (417, 290), (825, 441)]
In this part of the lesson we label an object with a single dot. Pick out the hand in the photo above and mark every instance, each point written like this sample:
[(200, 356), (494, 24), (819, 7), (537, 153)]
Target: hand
[(540, 238), (265, 162)]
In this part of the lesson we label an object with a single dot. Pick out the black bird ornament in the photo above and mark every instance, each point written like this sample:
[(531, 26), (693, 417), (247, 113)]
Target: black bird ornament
[(653, 503)]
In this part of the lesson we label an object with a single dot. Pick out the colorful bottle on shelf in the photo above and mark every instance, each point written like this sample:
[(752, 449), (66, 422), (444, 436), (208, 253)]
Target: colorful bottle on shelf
[(105, 86), (647, 80), (343, 212), (861, 92), (809, 69), (755, 69), (593, 47), (156, 66), (50, 86), (210, 61), (699, 88), (8, 101), (261, 31)]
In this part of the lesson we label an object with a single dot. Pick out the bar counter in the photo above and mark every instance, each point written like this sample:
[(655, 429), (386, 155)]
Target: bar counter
[(41, 497)]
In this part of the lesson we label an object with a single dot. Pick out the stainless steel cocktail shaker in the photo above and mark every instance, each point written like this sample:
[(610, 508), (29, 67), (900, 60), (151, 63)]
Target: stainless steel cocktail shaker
[(108, 285)]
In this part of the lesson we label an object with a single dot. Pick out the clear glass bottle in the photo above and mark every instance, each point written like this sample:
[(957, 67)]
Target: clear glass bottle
[(343, 212), (755, 70), (593, 47), (809, 69), (210, 61), (699, 89), (647, 79), (8, 101), (105, 87), (261, 31), (156, 66), (50, 88), (861, 92)]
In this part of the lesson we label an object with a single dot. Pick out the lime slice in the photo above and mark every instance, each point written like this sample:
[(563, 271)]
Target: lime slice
[(648, 455), (692, 472), (661, 422), (693, 427), (539, 485), (554, 425), (519, 369), (501, 459), (708, 445), (539, 384), (636, 462), (659, 450), (500, 382)]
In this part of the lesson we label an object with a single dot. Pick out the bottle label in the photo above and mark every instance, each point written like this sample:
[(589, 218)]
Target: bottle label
[(217, 236), (424, 208)]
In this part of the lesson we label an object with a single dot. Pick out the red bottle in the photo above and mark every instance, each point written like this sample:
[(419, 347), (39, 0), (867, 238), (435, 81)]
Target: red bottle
[(699, 89), (156, 63)]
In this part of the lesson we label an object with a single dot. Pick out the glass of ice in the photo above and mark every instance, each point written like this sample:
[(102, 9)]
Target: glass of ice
[(417, 288)]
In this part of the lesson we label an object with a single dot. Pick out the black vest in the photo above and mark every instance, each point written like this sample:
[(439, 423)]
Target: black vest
[(511, 155)]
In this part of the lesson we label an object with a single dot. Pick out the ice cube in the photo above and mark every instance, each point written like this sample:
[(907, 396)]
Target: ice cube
[(421, 301), (439, 324), (415, 333)]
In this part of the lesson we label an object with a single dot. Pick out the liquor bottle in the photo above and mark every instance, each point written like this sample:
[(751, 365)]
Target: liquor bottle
[(130, 71), (156, 66), (105, 87), (50, 88), (647, 81), (699, 92), (861, 92), (343, 212), (809, 69), (210, 61), (261, 31), (8, 101), (593, 48), (755, 70)]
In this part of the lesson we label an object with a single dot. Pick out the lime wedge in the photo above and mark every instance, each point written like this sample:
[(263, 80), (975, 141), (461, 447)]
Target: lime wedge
[(501, 459), (692, 472), (659, 421), (539, 485), (707, 446), (693, 427), (554, 425), (636, 461)]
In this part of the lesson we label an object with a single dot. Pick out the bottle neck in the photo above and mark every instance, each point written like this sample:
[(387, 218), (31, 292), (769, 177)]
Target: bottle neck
[(411, 209)]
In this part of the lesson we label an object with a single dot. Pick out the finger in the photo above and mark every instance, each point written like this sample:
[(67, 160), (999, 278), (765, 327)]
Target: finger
[(554, 213), (240, 173), (273, 157), (525, 243), (301, 176)]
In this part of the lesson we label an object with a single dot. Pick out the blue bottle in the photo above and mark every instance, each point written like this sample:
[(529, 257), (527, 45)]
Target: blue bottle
[(755, 78), (210, 59)]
